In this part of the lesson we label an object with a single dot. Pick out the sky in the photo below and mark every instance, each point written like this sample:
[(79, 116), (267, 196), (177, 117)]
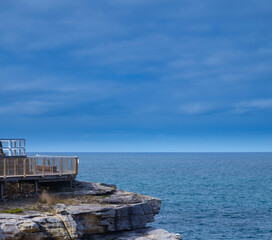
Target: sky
[(137, 75)]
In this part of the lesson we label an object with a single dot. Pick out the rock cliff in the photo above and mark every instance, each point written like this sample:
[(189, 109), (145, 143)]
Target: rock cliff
[(88, 211)]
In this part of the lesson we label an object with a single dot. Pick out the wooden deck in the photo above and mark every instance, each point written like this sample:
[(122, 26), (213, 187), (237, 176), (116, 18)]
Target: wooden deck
[(38, 168), (15, 166)]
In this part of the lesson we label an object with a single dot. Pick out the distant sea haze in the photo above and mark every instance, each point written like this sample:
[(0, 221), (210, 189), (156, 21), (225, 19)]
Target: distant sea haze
[(205, 195)]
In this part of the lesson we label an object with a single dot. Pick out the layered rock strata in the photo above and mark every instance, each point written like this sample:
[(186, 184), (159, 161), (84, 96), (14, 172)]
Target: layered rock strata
[(94, 211)]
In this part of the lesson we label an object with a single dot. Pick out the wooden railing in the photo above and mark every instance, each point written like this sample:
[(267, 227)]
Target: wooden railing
[(38, 166)]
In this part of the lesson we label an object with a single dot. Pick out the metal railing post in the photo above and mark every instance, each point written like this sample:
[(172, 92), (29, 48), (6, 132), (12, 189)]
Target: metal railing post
[(14, 147), (9, 143)]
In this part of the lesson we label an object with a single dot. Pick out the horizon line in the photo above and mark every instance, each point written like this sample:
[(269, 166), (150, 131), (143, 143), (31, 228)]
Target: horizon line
[(153, 152)]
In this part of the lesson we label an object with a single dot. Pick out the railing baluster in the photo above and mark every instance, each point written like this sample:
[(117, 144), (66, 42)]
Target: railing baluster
[(60, 166), (35, 166), (31, 165), (76, 170), (24, 147), (66, 165), (20, 150), (14, 167), (24, 167), (5, 162), (7, 166), (43, 167), (72, 165)]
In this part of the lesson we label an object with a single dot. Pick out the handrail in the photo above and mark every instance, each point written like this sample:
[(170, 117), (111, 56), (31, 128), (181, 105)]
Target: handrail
[(49, 156), (16, 147)]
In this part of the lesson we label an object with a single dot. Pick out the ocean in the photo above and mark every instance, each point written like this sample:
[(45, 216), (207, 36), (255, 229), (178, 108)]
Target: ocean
[(204, 195)]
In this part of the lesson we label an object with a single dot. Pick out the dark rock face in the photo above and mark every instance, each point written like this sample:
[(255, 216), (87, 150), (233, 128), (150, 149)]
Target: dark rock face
[(118, 211)]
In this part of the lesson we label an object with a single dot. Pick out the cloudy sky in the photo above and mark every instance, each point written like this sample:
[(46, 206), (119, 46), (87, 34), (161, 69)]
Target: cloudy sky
[(137, 75)]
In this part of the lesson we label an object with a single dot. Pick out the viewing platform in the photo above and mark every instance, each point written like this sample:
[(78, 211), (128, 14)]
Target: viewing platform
[(16, 166)]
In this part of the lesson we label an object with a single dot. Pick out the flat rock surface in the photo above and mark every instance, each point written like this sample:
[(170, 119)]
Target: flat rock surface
[(139, 234)]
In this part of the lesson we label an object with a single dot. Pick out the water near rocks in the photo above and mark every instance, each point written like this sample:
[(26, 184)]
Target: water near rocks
[(205, 195)]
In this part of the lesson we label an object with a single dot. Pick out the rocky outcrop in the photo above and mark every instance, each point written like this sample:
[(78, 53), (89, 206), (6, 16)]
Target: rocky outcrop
[(95, 211)]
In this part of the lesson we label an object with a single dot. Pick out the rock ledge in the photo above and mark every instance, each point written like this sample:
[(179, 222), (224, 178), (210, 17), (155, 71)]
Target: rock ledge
[(94, 211)]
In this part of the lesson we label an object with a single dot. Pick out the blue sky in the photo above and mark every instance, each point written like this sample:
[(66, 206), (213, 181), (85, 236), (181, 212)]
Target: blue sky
[(137, 75)]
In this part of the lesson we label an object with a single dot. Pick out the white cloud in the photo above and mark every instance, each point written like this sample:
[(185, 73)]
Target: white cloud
[(26, 108), (257, 104), (196, 108)]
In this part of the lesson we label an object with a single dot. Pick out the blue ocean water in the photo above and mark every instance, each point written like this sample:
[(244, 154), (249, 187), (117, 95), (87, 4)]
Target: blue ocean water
[(204, 195)]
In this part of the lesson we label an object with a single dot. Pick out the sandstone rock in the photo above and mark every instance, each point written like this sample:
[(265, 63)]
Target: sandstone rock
[(109, 218), (74, 229), (52, 226), (90, 188), (11, 231), (116, 211), (28, 226)]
